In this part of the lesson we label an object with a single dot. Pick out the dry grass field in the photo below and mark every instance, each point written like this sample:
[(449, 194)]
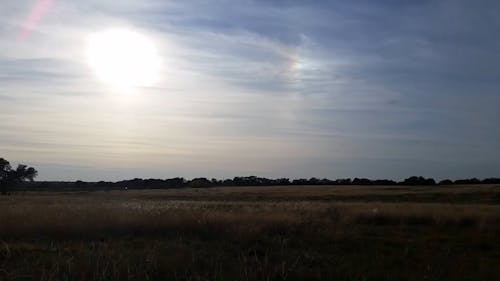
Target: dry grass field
[(253, 233)]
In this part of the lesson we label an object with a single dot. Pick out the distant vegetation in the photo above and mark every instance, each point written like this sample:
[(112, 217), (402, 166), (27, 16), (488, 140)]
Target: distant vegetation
[(239, 181), (11, 179), (276, 230)]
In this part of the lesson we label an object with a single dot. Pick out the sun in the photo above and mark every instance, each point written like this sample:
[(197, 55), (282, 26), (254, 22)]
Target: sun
[(123, 59)]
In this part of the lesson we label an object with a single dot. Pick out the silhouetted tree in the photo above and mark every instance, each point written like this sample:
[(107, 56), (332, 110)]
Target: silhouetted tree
[(363, 181), (468, 181), (491, 181), (200, 182), (383, 182), (300, 182), (342, 181), (418, 181), (11, 177), (282, 181), (313, 181), (446, 182), (175, 182)]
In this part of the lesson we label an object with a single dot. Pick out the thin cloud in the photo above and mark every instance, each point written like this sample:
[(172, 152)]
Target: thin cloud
[(285, 88)]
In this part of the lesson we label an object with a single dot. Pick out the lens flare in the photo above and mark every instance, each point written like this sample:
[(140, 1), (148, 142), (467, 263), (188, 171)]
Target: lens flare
[(37, 12)]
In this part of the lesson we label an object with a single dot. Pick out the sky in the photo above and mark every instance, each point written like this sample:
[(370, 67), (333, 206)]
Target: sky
[(274, 88)]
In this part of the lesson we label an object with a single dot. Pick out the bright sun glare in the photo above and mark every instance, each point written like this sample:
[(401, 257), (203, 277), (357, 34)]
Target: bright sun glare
[(123, 59)]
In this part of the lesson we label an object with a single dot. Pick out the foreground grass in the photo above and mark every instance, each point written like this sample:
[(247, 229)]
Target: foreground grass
[(254, 234)]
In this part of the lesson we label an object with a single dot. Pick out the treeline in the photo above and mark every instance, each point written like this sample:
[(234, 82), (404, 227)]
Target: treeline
[(238, 181)]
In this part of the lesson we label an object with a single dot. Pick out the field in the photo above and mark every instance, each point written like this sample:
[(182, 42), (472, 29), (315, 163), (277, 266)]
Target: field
[(253, 233)]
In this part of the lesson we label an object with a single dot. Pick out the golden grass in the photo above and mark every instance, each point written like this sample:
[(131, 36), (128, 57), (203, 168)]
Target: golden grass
[(149, 211), (253, 233)]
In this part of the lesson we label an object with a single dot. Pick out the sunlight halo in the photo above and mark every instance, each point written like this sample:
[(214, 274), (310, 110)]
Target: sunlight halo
[(123, 59)]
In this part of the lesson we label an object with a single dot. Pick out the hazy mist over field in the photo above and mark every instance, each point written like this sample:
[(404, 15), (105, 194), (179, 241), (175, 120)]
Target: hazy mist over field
[(97, 90)]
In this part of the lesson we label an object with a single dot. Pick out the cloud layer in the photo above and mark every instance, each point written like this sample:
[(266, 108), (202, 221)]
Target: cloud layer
[(382, 89)]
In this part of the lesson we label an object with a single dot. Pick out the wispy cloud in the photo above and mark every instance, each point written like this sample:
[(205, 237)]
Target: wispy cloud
[(284, 88)]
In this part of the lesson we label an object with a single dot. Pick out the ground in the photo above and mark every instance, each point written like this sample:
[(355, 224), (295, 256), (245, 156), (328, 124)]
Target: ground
[(253, 233)]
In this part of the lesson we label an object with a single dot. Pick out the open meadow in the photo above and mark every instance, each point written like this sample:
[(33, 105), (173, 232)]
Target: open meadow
[(253, 233)]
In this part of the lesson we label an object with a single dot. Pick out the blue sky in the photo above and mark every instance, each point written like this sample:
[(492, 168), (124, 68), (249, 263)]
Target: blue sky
[(379, 89)]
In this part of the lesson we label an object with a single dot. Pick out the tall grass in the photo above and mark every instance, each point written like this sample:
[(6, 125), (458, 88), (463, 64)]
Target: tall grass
[(162, 235)]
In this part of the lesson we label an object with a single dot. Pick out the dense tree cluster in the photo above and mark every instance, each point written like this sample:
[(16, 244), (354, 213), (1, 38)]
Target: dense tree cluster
[(10, 178), (22, 178), (239, 181), (418, 181)]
